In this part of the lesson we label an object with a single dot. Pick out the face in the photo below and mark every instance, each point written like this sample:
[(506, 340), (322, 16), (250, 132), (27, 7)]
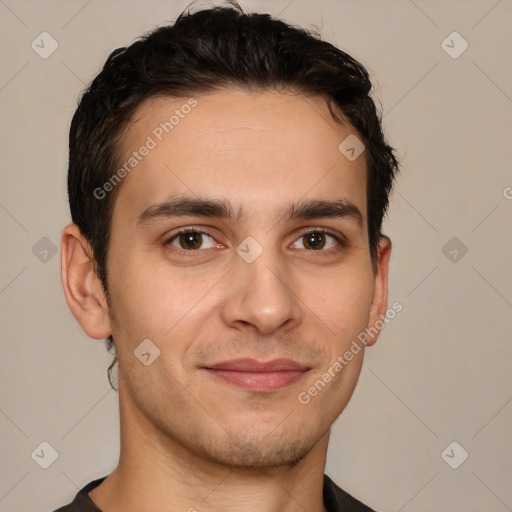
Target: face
[(251, 281)]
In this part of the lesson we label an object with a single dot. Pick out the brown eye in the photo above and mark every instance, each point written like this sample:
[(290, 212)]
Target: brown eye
[(320, 240), (314, 240), (190, 240)]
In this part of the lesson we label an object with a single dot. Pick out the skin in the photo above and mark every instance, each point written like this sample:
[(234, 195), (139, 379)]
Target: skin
[(190, 440)]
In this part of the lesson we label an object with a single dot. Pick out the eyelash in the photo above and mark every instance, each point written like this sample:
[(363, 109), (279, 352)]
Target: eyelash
[(190, 253)]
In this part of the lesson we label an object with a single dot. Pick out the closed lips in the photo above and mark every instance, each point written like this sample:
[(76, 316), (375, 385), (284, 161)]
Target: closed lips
[(254, 366), (257, 376)]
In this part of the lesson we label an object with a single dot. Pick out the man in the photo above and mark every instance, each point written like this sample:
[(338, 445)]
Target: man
[(228, 177)]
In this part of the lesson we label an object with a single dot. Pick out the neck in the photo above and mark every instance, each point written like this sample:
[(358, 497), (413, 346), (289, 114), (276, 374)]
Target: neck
[(158, 473)]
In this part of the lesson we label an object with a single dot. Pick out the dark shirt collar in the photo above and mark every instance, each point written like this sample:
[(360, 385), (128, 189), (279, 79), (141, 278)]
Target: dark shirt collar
[(335, 499)]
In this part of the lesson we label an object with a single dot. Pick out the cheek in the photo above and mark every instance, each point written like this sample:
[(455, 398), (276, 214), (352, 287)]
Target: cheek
[(343, 303), (137, 298), (150, 299)]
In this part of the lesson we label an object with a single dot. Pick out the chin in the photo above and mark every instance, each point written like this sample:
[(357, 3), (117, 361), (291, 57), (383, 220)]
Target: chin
[(242, 450)]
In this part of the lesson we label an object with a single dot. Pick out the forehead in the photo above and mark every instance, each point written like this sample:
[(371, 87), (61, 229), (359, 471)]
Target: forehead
[(260, 148)]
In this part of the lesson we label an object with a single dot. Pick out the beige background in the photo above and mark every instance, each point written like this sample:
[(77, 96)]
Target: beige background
[(440, 371)]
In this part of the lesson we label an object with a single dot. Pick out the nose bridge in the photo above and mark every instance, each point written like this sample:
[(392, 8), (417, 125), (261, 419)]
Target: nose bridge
[(260, 289)]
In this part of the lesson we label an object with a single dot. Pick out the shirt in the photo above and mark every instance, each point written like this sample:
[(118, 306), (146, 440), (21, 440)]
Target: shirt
[(335, 499)]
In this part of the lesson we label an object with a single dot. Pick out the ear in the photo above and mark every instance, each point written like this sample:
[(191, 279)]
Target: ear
[(380, 295), (82, 287)]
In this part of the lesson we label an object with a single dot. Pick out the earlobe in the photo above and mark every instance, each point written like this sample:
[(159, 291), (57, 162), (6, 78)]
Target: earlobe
[(380, 296), (82, 288)]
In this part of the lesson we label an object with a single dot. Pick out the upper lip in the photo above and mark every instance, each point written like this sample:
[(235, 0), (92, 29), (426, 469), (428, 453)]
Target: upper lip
[(253, 365)]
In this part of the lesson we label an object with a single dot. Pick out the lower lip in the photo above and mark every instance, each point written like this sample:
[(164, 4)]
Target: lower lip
[(258, 381)]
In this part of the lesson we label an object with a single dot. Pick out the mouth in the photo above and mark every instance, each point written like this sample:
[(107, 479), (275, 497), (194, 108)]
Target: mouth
[(259, 376)]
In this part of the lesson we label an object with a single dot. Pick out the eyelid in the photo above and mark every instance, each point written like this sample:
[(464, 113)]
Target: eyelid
[(336, 234), (187, 229)]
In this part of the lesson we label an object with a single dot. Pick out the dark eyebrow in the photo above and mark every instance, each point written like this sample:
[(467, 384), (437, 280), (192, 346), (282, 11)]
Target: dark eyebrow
[(198, 207), (317, 208)]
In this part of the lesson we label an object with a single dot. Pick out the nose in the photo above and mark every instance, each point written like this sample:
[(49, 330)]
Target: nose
[(262, 296)]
